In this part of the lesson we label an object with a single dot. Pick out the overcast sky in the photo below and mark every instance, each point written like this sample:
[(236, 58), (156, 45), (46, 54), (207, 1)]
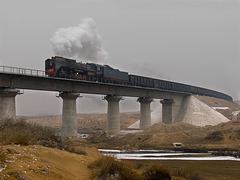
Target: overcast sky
[(189, 41)]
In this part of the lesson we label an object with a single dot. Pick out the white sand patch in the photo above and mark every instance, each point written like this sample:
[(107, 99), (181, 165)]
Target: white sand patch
[(156, 117), (199, 114), (223, 108), (235, 114)]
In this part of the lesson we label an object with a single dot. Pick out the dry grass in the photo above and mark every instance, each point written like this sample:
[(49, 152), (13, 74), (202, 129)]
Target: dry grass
[(156, 171), (215, 136), (186, 173), (20, 132), (2, 157), (17, 175), (195, 170), (109, 168), (76, 150)]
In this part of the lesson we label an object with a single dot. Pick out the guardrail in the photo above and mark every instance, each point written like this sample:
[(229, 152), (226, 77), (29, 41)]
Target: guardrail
[(16, 70)]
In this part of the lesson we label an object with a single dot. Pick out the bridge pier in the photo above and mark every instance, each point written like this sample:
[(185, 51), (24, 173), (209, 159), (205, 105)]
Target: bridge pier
[(145, 112), (167, 111), (7, 103), (171, 109), (69, 114), (113, 116)]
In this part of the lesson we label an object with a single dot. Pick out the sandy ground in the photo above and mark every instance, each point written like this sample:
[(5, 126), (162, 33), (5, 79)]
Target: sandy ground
[(197, 113), (38, 162)]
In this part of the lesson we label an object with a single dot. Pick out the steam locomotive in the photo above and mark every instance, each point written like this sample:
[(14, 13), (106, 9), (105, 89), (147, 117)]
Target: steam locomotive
[(68, 68)]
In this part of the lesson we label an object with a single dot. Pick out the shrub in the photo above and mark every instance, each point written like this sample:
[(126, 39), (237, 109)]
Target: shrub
[(76, 149), (17, 175), (156, 172), (2, 157), (20, 137), (107, 167), (187, 174), (215, 136), (20, 132)]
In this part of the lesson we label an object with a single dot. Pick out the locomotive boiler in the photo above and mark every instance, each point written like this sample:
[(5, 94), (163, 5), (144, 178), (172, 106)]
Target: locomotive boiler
[(69, 68)]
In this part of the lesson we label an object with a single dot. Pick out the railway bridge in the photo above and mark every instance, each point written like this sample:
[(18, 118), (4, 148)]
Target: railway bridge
[(12, 79)]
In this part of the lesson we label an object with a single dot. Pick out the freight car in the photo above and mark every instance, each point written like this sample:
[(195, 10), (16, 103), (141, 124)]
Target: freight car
[(68, 68)]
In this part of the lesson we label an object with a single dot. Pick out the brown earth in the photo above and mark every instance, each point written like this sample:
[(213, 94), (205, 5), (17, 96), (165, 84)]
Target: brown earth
[(161, 136), (38, 162)]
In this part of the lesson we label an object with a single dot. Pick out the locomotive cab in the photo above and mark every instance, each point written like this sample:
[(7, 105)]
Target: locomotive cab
[(49, 67)]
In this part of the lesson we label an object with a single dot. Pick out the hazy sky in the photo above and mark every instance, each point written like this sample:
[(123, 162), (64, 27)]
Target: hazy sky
[(189, 41)]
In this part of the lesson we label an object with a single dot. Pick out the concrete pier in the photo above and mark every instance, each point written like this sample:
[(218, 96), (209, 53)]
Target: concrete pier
[(69, 114), (167, 111), (7, 103), (145, 112), (113, 116)]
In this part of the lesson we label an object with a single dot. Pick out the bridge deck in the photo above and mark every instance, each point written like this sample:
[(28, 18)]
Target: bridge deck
[(23, 81)]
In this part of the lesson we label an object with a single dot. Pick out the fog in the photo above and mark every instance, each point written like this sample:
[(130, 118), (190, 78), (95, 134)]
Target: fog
[(189, 41)]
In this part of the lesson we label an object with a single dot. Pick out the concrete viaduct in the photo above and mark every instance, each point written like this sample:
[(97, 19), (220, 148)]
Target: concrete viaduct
[(69, 90)]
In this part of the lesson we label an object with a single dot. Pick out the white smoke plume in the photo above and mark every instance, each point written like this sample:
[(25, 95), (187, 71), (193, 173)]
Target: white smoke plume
[(82, 42)]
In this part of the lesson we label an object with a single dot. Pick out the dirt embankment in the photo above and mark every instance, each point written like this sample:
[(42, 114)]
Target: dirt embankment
[(160, 136), (38, 162)]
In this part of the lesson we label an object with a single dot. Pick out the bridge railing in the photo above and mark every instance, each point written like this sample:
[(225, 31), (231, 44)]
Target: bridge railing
[(16, 70)]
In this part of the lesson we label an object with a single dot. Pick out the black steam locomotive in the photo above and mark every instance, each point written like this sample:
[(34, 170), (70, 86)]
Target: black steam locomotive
[(68, 68)]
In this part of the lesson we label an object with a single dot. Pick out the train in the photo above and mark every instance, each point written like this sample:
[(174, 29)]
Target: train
[(61, 67)]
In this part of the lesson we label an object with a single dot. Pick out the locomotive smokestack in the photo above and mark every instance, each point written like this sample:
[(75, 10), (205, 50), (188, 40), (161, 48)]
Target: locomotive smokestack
[(82, 42)]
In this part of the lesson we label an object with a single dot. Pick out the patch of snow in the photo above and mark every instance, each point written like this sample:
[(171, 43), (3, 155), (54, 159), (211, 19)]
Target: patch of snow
[(235, 114), (130, 131), (151, 150), (109, 150), (119, 154), (1, 169), (156, 117), (199, 113), (223, 108), (135, 125), (218, 158), (150, 155)]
